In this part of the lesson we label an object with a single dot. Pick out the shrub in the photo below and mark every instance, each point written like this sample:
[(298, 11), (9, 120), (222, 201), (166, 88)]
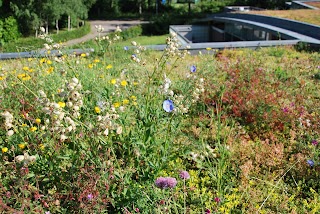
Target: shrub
[(9, 30)]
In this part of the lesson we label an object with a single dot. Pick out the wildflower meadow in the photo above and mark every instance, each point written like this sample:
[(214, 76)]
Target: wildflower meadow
[(131, 130)]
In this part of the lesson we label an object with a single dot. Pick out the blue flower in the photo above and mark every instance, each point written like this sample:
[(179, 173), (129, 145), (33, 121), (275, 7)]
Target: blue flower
[(125, 48), (193, 68), (168, 105), (310, 162)]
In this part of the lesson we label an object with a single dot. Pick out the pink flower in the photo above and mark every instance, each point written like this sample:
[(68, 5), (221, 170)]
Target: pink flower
[(184, 175)]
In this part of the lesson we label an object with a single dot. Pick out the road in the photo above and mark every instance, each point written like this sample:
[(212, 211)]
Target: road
[(108, 25)]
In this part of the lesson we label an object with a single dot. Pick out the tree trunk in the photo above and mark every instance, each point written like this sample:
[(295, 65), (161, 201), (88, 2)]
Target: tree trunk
[(69, 23), (57, 25), (140, 7), (47, 27)]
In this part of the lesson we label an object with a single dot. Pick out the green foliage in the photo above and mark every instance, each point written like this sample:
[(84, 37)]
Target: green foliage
[(9, 30), (31, 44)]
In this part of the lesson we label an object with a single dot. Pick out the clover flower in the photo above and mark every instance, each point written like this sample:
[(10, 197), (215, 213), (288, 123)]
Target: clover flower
[(184, 175), (168, 106), (167, 182)]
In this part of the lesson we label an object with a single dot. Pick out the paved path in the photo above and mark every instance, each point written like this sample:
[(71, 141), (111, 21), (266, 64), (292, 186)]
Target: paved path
[(109, 26)]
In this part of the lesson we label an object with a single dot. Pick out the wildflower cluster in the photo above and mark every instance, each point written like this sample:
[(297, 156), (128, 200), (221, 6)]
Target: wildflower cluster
[(181, 102), (173, 45), (107, 123), (136, 57), (107, 39), (8, 122), (62, 123), (50, 43)]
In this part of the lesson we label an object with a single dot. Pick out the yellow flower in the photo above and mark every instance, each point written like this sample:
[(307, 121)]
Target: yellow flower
[(135, 83), (62, 104), (25, 68), (41, 146), (97, 109), (116, 104), (33, 129), (4, 149), (96, 60), (124, 83), (43, 60), (38, 121), (109, 66), (22, 145), (113, 81), (24, 77), (83, 55), (125, 101), (48, 52), (50, 70), (29, 59), (2, 77), (90, 65), (133, 97), (49, 62), (208, 49), (31, 70), (24, 125)]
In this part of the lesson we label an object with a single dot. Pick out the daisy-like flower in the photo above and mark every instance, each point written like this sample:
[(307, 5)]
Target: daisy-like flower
[(113, 81), (33, 129), (124, 83), (22, 145), (168, 105), (97, 109), (109, 66), (37, 121), (4, 149)]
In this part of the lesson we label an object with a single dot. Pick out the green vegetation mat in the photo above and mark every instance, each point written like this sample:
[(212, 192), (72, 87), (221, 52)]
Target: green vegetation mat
[(119, 131)]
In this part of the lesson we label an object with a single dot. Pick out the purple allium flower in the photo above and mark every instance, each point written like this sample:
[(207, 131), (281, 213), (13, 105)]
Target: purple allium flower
[(168, 105), (184, 175), (193, 68), (207, 211), (166, 182), (90, 196), (161, 182), (314, 142), (310, 162), (171, 182)]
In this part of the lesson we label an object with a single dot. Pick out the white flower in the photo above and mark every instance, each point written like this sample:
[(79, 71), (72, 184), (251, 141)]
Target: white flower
[(63, 137), (106, 132), (42, 30), (134, 43), (10, 133), (119, 130), (19, 158)]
